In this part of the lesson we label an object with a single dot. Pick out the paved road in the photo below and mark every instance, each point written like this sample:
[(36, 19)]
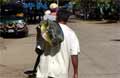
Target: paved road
[(99, 56)]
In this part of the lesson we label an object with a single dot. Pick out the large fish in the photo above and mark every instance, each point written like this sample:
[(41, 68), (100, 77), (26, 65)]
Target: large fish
[(44, 27), (52, 34)]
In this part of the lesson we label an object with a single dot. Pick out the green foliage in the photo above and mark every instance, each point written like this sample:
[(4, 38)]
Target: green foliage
[(106, 1), (76, 5), (4, 1)]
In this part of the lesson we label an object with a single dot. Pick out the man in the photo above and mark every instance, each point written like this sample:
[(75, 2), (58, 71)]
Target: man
[(48, 16), (51, 14), (57, 66)]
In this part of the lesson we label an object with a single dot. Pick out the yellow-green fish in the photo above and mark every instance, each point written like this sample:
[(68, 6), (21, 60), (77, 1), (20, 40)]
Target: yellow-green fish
[(52, 36), (44, 32)]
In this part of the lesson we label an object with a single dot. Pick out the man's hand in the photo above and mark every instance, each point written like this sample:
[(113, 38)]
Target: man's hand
[(75, 75), (38, 50)]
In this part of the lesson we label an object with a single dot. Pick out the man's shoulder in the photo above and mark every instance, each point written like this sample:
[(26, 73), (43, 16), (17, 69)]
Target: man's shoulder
[(66, 28)]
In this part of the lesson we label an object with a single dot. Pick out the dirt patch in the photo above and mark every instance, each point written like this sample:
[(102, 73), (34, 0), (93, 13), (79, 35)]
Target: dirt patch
[(10, 72), (2, 44)]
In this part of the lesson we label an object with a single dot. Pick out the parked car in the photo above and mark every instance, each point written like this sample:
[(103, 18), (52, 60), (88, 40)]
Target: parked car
[(12, 21)]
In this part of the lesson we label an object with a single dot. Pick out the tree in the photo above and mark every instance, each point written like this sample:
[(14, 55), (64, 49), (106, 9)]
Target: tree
[(4, 1)]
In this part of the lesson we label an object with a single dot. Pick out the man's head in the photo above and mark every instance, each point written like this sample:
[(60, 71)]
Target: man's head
[(53, 7), (62, 15)]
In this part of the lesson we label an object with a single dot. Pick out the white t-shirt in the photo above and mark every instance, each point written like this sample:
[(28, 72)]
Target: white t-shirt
[(57, 66)]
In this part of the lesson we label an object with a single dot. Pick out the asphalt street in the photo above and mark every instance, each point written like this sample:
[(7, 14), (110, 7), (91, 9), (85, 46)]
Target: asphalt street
[(99, 57)]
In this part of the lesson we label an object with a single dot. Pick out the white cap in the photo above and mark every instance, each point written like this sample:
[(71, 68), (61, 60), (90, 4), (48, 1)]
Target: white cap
[(53, 5)]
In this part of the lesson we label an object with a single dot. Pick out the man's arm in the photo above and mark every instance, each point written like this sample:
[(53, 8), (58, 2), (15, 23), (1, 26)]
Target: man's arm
[(74, 59)]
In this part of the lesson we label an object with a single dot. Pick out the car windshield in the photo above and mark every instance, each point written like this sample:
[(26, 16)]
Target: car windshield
[(10, 11)]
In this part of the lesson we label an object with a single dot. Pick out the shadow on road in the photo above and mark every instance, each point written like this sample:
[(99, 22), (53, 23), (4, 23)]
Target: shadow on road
[(117, 40)]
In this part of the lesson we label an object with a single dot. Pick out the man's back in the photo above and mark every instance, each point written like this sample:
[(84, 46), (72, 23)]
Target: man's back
[(57, 66)]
